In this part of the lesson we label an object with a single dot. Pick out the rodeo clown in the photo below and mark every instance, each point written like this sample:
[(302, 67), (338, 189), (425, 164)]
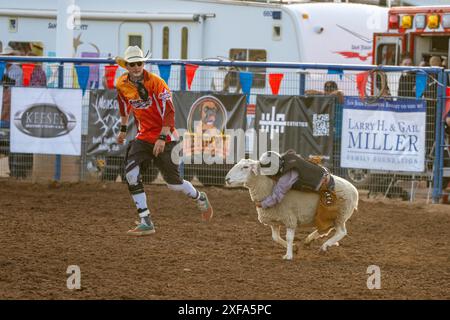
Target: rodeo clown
[(292, 171), (148, 97)]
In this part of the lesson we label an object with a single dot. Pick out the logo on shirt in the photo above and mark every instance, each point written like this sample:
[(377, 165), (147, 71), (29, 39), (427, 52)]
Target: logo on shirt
[(165, 96), (141, 104)]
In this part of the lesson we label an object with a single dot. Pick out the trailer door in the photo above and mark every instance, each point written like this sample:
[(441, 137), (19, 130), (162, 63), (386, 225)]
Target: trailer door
[(388, 49), (135, 34)]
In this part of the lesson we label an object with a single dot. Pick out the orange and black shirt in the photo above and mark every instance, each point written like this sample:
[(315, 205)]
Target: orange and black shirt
[(152, 114)]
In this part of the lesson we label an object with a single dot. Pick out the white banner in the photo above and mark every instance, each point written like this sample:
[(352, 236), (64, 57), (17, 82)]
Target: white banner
[(387, 135), (46, 121)]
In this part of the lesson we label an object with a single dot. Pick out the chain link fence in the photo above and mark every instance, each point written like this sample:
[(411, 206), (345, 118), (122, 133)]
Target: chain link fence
[(223, 77)]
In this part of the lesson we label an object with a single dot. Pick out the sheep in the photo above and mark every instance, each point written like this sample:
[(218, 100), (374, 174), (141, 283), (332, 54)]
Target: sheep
[(296, 208)]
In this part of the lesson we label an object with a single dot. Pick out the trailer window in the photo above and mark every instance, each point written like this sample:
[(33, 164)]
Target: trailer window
[(135, 40), (259, 74), (28, 48), (165, 44), (184, 43)]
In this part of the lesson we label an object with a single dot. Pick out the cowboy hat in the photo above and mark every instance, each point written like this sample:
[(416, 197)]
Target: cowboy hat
[(132, 54)]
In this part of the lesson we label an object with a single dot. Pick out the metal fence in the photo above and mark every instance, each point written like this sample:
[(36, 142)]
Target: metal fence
[(223, 76)]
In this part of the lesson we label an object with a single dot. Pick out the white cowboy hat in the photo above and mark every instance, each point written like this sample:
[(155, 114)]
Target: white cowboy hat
[(132, 54)]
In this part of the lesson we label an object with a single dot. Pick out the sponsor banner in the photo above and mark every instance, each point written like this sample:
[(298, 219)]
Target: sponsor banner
[(301, 123), (206, 118), (104, 124), (387, 135), (46, 121)]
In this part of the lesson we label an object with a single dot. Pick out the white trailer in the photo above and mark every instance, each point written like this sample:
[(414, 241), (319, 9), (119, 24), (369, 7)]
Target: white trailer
[(200, 29)]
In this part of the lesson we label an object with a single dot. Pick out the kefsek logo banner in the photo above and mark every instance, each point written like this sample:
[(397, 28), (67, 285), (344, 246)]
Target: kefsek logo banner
[(387, 135)]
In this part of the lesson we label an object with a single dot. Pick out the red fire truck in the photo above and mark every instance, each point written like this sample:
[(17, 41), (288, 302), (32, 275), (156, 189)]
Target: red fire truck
[(421, 31)]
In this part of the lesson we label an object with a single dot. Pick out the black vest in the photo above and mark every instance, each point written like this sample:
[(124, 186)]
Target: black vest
[(310, 175)]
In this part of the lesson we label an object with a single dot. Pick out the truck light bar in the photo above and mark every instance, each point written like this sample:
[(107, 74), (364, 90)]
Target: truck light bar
[(420, 21), (406, 22), (446, 21), (433, 21), (393, 21)]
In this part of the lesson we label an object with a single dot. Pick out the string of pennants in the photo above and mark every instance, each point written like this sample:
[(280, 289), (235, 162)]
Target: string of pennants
[(84, 75)]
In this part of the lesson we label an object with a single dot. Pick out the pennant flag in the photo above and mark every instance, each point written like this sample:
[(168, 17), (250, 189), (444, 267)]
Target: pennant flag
[(361, 82), (110, 75), (246, 79), (275, 81), (83, 77), (447, 102), (164, 71), (52, 75), (339, 72), (421, 84), (27, 69), (190, 73), (2, 70)]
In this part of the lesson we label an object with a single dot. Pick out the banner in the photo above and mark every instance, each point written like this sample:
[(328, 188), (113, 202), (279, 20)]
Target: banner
[(164, 71), (303, 123), (205, 117), (275, 82), (104, 124), (46, 121), (83, 77), (110, 75), (387, 135), (191, 69)]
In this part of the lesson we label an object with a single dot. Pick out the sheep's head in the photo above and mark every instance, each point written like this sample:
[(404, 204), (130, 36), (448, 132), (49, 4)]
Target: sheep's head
[(239, 174)]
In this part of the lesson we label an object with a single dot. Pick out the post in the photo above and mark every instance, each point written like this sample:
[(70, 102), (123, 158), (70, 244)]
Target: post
[(438, 158), (302, 83), (66, 19)]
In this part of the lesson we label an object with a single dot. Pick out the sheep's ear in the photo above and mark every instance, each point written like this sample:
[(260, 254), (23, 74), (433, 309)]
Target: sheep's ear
[(255, 168)]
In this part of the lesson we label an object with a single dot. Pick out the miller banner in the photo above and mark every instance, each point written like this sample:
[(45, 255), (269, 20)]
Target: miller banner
[(303, 123), (206, 117), (386, 135), (46, 121), (104, 124)]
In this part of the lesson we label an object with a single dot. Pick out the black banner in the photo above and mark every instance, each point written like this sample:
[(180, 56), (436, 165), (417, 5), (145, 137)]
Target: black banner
[(304, 124), (104, 124), (205, 118)]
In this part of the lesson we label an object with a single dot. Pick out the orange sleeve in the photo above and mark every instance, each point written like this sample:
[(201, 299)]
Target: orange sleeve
[(122, 104), (165, 100)]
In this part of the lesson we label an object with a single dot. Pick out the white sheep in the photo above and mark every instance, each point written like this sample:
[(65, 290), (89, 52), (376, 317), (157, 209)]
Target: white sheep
[(296, 208)]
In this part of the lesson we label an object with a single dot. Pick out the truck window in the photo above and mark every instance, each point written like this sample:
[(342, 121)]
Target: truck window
[(386, 54), (135, 40), (165, 44), (184, 43), (259, 74)]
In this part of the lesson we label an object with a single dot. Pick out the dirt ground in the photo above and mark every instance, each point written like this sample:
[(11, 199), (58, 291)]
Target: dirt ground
[(46, 228)]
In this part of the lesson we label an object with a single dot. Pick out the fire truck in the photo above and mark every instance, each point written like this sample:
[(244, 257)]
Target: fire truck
[(421, 31)]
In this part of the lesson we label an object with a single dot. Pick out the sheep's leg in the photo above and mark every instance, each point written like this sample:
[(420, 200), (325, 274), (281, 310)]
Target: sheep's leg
[(290, 234), (311, 237), (276, 236), (341, 232), (314, 236)]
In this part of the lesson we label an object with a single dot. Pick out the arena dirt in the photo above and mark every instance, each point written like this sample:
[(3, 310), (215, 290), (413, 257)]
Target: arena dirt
[(46, 228)]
